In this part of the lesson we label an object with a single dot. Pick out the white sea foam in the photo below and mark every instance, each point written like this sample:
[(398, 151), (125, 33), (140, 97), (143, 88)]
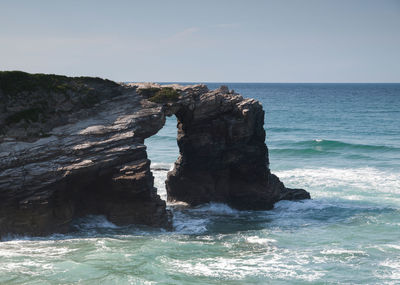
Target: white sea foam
[(259, 240), (196, 220), (344, 252), (160, 171), (184, 224), (216, 208), (352, 183), (394, 246), (161, 166), (391, 272), (299, 206), (274, 266), (95, 221)]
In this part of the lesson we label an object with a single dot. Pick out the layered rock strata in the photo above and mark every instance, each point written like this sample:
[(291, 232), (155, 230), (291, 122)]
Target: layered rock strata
[(223, 155), (91, 160), (75, 146)]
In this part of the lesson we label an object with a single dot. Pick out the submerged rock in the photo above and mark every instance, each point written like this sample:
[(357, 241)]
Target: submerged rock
[(75, 146)]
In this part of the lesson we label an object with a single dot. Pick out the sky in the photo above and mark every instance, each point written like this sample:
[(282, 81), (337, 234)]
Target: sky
[(204, 41)]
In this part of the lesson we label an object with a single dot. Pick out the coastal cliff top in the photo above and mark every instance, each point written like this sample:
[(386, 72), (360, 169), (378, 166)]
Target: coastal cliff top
[(32, 105)]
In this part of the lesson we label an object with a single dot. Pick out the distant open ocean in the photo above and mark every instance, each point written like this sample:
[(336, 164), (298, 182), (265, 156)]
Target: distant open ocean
[(341, 142)]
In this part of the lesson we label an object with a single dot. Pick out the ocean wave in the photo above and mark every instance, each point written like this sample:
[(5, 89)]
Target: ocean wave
[(326, 148), (161, 166), (302, 152), (94, 222), (260, 240), (321, 144), (160, 175), (196, 220), (366, 178), (184, 223), (323, 211), (391, 272), (359, 185), (216, 209), (274, 263), (286, 129)]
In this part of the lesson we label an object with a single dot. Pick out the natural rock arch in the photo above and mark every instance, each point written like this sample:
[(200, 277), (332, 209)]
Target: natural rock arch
[(93, 160)]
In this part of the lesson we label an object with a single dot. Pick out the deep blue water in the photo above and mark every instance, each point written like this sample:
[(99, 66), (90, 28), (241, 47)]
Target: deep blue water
[(339, 141)]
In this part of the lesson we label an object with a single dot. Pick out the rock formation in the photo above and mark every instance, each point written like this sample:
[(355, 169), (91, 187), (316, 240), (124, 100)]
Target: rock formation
[(223, 155), (75, 146)]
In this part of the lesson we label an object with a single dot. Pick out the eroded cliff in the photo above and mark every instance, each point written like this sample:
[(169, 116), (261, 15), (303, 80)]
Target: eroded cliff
[(75, 146)]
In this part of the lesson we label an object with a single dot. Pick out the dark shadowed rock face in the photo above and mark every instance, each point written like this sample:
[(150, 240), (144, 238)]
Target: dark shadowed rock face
[(223, 156), (70, 147), (92, 159)]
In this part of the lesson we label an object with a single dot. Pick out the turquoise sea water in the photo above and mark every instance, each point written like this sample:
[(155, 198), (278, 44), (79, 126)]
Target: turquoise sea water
[(341, 142)]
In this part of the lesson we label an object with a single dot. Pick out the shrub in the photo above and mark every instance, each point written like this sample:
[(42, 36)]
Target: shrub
[(14, 82), (166, 94), (148, 92)]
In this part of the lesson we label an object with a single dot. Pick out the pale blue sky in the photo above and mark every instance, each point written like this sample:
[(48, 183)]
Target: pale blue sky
[(204, 41)]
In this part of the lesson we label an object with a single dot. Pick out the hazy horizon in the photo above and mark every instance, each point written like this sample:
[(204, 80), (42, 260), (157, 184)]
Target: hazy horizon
[(186, 41)]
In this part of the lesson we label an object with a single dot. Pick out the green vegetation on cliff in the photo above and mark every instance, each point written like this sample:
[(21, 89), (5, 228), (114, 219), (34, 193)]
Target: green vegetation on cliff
[(160, 95), (148, 92), (14, 82), (38, 98)]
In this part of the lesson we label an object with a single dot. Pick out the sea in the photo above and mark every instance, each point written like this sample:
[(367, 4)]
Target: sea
[(341, 142)]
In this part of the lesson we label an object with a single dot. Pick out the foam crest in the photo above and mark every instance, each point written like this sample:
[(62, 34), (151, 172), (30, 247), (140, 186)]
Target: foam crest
[(274, 266), (185, 224), (196, 220), (351, 182), (95, 221), (160, 171), (161, 166), (346, 253), (300, 206), (216, 209), (259, 240), (391, 272), (333, 144)]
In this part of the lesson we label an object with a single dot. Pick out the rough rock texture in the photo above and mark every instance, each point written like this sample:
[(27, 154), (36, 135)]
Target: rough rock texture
[(92, 161), (223, 156), (75, 146)]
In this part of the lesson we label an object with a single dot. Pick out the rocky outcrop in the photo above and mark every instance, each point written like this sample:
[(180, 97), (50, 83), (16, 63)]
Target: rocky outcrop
[(91, 160), (75, 146), (223, 155)]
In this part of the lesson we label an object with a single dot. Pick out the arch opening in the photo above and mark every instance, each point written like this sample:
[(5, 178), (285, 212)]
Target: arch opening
[(163, 151)]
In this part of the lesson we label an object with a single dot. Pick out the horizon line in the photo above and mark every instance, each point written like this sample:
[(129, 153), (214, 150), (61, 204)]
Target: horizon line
[(228, 82), (259, 82)]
